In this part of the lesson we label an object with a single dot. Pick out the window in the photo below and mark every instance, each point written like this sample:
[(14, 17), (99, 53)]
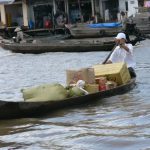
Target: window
[(126, 4)]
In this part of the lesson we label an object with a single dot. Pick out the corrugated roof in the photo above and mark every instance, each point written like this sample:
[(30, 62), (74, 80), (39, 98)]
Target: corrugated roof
[(6, 1)]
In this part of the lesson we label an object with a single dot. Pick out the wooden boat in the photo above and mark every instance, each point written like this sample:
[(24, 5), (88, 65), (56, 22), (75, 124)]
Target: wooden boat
[(85, 31), (11, 110), (68, 45)]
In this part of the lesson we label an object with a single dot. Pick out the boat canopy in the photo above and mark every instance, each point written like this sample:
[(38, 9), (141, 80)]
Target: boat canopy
[(105, 25), (6, 1)]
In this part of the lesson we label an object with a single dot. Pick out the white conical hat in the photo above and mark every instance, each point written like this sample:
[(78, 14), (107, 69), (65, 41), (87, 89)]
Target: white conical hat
[(121, 36)]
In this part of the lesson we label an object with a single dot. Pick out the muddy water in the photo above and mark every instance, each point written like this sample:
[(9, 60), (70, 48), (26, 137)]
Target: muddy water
[(119, 122)]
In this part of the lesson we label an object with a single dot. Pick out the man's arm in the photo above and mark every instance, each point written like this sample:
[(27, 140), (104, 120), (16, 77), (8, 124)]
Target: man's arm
[(128, 48)]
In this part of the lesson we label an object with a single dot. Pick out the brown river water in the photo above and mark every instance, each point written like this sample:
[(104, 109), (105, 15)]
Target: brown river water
[(117, 123)]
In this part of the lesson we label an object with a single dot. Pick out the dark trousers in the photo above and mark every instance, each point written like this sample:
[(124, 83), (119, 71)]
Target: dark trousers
[(132, 72)]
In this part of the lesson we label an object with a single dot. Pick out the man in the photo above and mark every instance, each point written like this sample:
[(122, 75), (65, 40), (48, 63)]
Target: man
[(123, 53), (107, 15), (19, 37)]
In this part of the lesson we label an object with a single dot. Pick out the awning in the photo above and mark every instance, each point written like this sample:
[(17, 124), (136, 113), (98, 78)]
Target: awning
[(6, 1), (146, 3)]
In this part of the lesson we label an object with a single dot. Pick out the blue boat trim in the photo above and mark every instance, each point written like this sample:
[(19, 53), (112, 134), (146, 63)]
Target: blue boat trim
[(105, 25)]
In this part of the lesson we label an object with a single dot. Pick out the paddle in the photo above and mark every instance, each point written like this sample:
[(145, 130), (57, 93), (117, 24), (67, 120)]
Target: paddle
[(104, 62)]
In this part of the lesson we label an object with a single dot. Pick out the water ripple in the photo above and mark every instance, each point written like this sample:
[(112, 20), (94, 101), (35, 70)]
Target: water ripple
[(118, 122)]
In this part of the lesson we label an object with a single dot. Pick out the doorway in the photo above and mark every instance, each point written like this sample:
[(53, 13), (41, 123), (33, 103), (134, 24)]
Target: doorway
[(80, 10), (113, 7), (43, 15)]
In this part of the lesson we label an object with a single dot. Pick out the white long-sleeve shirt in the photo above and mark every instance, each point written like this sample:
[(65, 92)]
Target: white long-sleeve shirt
[(121, 55)]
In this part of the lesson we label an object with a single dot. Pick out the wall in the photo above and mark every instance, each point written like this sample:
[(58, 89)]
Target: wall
[(14, 13), (122, 5), (132, 4)]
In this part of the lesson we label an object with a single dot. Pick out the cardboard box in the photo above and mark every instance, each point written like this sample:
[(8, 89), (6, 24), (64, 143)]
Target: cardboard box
[(92, 88), (86, 74), (117, 72)]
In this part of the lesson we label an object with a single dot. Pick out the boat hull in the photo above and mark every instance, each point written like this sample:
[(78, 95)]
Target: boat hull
[(86, 32), (42, 48), (12, 110), (92, 34)]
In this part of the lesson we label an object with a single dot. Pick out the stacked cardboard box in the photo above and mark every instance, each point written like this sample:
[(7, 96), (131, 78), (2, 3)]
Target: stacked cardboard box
[(86, 74), (117, 72)]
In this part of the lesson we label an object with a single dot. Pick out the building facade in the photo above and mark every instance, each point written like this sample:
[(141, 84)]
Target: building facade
[(45, 13)]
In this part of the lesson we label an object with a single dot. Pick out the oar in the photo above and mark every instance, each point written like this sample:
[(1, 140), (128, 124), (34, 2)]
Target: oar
[(104, 62)]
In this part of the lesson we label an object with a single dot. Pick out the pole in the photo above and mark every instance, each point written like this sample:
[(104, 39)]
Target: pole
[(92, 4), (105, 61), (80, 10)]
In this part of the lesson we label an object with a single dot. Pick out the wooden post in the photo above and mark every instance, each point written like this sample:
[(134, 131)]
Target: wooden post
[(101, 9), (54, 7), (3, 14), (67, 8), (93, 11), (25, 12)]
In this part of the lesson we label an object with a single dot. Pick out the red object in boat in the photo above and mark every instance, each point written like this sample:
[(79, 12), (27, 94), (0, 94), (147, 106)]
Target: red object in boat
[(48, 24), (102, 87)]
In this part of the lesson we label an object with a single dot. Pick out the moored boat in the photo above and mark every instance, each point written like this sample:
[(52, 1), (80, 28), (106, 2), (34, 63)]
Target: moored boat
[(68, 45), (94, 30), (12, 110)]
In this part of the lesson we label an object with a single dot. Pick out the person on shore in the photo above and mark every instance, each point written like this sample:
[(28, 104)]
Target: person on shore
[(107, 15), (123, 53)]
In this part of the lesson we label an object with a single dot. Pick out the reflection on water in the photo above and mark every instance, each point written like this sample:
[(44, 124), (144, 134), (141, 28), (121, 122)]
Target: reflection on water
[(119, 122)]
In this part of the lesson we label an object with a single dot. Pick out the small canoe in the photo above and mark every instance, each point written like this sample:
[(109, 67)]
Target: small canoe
[(12, 110), (61, 46)]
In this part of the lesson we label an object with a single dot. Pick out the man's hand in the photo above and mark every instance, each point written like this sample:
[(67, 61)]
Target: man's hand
[(124, 47), (121, 43)]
